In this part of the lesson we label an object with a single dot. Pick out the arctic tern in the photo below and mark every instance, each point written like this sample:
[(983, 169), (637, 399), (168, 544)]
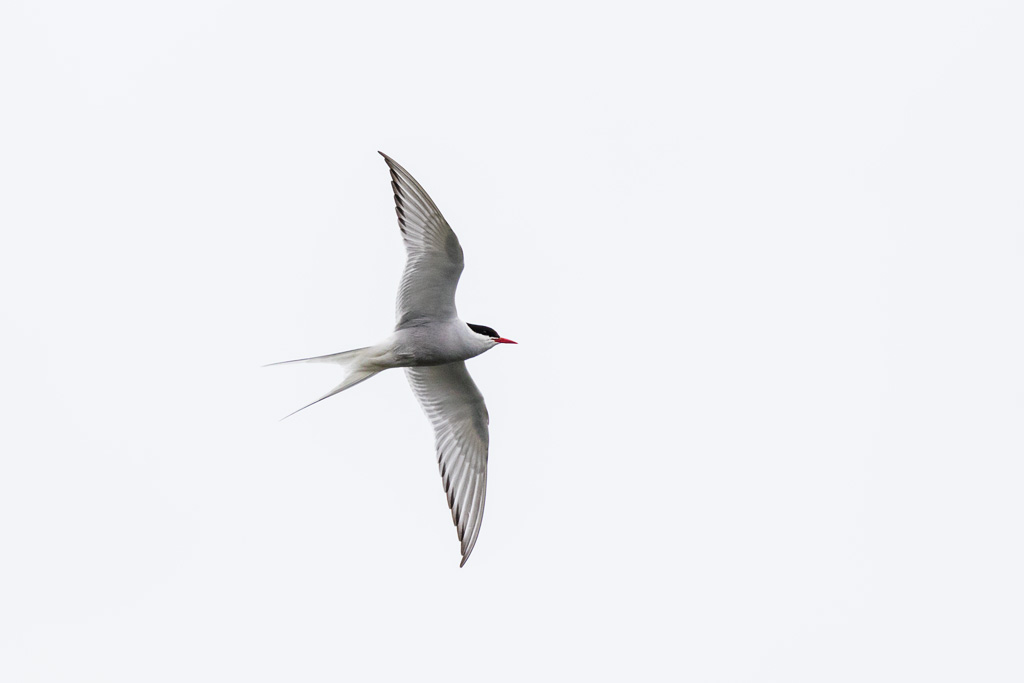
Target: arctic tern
[(432, 344)]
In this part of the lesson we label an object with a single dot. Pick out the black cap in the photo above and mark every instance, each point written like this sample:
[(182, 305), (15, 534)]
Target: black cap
[(484, 330)]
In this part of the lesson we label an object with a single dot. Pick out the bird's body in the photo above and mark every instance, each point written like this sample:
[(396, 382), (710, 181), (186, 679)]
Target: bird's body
[(435, 343), (431, 343)]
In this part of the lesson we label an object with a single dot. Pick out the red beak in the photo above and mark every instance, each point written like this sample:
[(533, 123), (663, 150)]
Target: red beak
[(502, 340)]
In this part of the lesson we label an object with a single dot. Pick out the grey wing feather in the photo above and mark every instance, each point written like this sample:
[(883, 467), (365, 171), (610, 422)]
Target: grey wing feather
[(434, 258), (456, 409)]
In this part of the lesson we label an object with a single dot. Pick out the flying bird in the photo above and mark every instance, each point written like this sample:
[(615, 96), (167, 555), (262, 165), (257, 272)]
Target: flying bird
[(432, 344)]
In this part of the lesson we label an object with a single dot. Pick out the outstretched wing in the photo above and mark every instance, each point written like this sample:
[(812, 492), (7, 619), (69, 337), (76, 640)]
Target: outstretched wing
[(456, 408), (433, 255)]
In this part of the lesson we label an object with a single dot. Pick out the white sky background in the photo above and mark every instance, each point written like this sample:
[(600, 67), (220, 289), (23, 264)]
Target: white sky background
[(764, 262)]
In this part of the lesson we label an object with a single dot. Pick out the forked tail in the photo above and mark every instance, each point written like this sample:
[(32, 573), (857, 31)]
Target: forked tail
[(356, 374)]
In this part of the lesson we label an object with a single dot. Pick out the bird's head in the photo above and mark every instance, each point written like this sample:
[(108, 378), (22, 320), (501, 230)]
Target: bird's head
[(490, 333)]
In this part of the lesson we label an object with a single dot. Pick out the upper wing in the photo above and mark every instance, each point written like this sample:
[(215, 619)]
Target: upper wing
[(456, 408), (434, 257)]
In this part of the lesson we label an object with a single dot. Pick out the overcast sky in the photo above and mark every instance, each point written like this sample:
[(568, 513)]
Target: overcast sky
[(764, 262)]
